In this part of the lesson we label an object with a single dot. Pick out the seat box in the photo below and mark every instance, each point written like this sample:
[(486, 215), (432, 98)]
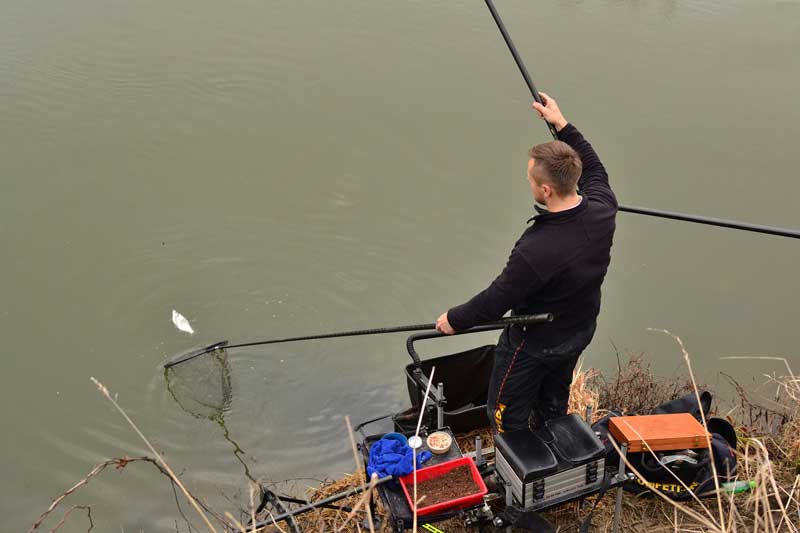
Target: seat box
[(559, 462)]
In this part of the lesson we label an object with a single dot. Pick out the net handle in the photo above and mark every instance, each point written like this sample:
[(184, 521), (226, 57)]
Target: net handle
[(522, 319)]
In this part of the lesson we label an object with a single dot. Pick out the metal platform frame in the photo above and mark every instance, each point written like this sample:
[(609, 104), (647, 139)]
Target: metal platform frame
[(439, 402)]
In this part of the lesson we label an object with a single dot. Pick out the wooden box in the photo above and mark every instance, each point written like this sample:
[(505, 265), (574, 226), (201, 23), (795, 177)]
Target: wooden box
[(658, 432)]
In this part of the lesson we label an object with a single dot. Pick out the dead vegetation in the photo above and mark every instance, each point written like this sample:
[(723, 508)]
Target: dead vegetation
[(634, 388)]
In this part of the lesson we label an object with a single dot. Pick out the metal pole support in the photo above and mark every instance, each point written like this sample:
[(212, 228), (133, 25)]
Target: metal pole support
[(509, 501), (620, 478), (440, 405)]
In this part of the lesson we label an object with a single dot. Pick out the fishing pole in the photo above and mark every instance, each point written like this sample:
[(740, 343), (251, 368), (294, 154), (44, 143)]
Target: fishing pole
[(720, 222), (223, 345)]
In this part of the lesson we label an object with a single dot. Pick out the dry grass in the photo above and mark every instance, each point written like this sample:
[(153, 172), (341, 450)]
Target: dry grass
[(634, 388), (332, 519), (581, 392), (466, 441), (773, 505), (104, 391)]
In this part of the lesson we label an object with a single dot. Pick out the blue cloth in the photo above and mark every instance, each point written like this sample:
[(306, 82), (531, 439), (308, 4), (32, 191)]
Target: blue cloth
[(391, 457), (396, 436)]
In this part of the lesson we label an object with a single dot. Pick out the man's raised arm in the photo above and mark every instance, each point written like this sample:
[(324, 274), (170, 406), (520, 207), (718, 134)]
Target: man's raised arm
[(594, 178)]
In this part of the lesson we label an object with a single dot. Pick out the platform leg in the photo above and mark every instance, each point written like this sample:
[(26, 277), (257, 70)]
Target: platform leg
[(620, 476), (509, 501)]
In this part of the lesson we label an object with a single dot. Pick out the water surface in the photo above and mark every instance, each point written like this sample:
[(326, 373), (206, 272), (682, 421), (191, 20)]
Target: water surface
[(285, 168)]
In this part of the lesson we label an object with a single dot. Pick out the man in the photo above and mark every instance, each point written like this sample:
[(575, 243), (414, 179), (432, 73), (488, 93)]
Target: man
[(556, 266)]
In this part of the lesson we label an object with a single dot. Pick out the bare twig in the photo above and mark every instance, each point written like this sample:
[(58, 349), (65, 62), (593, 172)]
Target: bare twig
[(238, 524), (673, 474), (88, 510), (683, 508), (361, 501), (178, 505), (104, 391), (688, 361), (253, 487), (414, 451), (96, 470), (272, 517), (120, 463), (357, 460)]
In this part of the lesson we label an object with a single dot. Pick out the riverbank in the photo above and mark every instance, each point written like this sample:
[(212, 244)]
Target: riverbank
[(768, 453)]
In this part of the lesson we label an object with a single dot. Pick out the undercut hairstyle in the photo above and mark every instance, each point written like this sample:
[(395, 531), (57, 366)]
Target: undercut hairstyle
[(558, 164)]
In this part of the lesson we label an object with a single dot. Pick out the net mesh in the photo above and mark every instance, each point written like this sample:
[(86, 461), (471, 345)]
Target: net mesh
[(202, 386)]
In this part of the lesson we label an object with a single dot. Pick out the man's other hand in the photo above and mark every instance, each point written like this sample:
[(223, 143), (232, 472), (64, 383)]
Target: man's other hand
[(443, 326), (550, 111)]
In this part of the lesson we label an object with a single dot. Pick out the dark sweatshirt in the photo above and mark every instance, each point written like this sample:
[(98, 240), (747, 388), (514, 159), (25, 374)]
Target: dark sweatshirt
[(558, 264)]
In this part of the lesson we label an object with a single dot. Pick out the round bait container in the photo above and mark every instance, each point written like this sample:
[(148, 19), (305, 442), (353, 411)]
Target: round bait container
[(439, 442)]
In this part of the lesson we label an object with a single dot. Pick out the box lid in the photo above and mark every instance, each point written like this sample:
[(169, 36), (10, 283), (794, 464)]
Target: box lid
[(526, 453), (573, 439), (676, 431)]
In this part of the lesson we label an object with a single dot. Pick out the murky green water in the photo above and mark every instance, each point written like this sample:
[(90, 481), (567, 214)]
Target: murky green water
[(281, 168)]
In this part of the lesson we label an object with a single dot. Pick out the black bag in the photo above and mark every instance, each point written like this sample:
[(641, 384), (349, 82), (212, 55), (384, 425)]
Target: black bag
[(465, 376), (691, 467)]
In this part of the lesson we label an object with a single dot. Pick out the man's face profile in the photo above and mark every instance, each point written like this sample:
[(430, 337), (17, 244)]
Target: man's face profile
[(541, 191)]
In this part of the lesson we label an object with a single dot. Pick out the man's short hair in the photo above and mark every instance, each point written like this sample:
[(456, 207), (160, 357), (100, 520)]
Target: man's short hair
[(559, 164)]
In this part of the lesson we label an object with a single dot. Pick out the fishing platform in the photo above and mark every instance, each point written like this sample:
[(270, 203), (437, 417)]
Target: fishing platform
[(523, 473)]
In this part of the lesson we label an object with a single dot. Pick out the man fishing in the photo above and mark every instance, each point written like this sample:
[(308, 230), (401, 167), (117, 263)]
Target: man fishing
[(556, 266)]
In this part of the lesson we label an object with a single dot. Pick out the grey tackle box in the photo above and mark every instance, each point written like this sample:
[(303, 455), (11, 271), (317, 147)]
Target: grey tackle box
[(560, 462)]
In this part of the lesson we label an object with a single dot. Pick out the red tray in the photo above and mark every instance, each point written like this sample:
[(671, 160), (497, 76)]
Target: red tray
[(407, 482)]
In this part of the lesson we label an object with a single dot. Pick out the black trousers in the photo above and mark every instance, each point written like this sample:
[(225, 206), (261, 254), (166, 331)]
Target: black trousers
[(531, 385)]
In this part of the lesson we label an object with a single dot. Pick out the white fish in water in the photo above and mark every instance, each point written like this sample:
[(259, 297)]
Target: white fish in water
[(180, 322)]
